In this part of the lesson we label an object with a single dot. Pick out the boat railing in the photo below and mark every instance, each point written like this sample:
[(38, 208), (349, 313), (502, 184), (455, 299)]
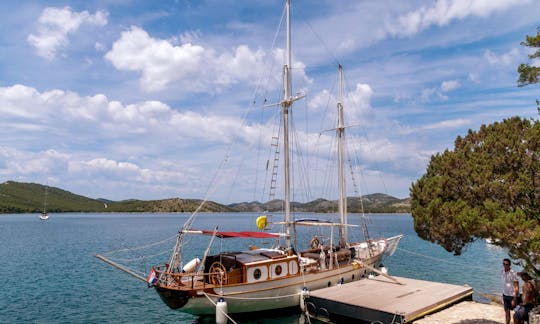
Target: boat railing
[(177, 279), (174, 278)]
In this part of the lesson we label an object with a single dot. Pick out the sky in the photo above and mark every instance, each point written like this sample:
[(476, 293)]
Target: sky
[(132, 99)]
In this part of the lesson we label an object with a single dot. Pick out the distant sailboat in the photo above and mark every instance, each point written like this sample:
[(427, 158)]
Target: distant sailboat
[(44, 215)]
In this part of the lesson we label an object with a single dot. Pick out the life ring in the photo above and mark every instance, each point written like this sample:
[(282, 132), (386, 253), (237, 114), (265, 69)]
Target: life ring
[(314, 243)]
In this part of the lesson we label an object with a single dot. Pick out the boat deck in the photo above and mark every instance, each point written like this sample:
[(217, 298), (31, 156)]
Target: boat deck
[(382, 300)]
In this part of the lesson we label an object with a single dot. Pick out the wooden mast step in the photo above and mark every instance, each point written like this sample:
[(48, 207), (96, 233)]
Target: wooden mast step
[(381, 300)]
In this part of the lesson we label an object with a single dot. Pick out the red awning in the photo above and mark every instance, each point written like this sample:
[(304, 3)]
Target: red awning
[(244, 234)]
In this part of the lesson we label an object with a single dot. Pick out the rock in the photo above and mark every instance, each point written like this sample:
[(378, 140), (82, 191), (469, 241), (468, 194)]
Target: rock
[(534, 315)]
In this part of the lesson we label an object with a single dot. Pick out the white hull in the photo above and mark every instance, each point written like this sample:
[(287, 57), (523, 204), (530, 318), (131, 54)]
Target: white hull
[(44, 216), (198, 294), (275, 294)]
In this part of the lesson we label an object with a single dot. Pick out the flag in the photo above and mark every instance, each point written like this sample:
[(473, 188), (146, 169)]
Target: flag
[(151, 279)]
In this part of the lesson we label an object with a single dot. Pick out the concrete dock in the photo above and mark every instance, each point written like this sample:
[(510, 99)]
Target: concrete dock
[(383, 300)]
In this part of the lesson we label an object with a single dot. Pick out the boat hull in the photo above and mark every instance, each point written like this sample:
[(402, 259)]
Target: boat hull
[(268, 295)]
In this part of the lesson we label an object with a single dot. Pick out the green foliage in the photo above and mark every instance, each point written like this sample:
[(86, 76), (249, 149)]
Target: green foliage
[(487, 187), (529, 74)]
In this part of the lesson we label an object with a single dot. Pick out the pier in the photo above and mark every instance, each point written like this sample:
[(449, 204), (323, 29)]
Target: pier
[(382, 300)]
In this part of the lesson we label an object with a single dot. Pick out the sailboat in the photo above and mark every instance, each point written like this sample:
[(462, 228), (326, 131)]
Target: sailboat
[(44, 215), (261, 279)]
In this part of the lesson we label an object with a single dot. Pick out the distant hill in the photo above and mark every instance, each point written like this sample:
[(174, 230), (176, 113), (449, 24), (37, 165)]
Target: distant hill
[(16, 197)]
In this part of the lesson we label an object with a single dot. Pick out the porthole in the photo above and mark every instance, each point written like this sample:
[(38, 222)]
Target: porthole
[(278, 270), (257, 274)]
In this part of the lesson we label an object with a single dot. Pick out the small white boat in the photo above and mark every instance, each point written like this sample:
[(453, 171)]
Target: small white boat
[(44, 215)]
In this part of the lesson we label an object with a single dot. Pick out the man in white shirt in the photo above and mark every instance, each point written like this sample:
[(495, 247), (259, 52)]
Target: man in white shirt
[(510, 283)]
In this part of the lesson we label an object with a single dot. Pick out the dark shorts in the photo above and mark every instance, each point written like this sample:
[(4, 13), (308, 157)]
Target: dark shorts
[(507, 301), (522, 312)]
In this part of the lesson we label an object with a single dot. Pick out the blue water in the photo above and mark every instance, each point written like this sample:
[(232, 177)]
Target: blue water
[(50, 274)]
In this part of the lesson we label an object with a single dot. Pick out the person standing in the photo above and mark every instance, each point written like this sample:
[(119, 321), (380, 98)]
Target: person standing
[(521, 314), (510, 283)]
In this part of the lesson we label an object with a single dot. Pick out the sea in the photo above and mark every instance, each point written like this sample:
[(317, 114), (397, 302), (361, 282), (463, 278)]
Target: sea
[(50, 273)]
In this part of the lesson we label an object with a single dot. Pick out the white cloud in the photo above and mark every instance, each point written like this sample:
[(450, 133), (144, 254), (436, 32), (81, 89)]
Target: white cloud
[(447, 124), (473, 77), (31, 164), (321, 100), (428, 94), (99, 176), (357, 103), (449, 85), (99, 47), (506, 59), (347, 45), (99, 118), (193, 67), (442, 125), (158, 60), (55, 24), (432, 94), (110, 141), (442, 12)]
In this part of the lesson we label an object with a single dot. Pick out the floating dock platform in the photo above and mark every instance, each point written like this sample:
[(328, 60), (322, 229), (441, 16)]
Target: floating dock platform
[(381, 300)]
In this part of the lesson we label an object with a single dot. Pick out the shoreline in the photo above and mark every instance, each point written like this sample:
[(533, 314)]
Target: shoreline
[(470, 312)]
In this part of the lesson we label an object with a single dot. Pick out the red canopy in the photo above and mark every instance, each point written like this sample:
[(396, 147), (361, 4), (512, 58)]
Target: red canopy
[(244, 234)]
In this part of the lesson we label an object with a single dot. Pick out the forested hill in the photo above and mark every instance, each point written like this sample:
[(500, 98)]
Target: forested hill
[(17, 197)]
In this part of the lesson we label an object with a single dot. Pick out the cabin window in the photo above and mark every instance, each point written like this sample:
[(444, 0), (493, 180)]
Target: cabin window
[(279, 269), (257, 274)]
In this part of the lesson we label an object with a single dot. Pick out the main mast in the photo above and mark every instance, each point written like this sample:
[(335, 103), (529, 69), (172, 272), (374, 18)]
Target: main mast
[(286, 103), (340, 130)]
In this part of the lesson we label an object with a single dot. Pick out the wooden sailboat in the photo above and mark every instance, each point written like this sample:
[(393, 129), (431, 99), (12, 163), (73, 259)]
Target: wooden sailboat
[(260, 279), (44, 215)]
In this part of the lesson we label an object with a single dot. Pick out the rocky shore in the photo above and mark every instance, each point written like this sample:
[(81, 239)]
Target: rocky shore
[(471, 312), (467, 312)]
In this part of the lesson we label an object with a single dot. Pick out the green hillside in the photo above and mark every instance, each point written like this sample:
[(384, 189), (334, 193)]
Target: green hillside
[(16, 197)]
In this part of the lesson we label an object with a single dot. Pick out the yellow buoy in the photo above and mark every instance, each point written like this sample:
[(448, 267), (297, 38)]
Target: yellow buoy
[(261, 222)]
